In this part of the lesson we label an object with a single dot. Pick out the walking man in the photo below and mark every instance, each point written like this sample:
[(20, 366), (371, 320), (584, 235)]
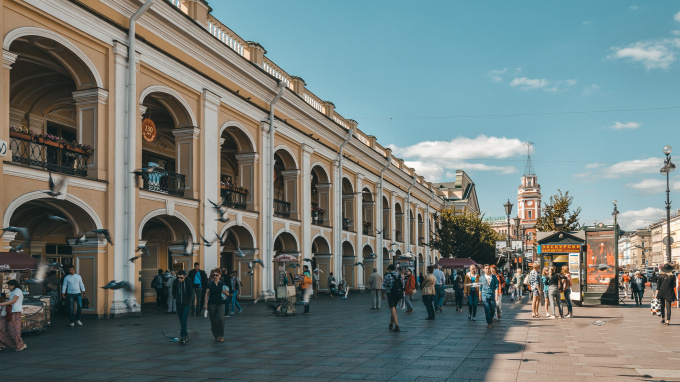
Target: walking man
[(439, 289), (638, 287), (235, 288), (518, 283), (199, 280), (626, 284), (375, 281), (666, 292), (409, 290), (182, 290), (73, 289), (393, 286), (306, 286)]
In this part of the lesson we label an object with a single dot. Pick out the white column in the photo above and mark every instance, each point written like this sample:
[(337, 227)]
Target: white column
[(211, 173), (427, 229), (266, 219), (337, 220), (123, 220), (306, 208), (359, 227), (185, 140), (393, 220)]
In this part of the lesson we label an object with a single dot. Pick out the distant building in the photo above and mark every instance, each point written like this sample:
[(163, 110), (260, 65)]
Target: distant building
[(529, 201), (658, 250), (461, 195), (635, 248)]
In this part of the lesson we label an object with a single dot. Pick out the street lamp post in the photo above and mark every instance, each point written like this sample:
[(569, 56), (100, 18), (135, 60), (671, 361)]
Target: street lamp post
[(508, 210), (667, 168), (615, 214), (520, 236)]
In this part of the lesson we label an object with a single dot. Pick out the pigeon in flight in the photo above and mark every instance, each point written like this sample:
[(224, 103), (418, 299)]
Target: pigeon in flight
[(188, 248), (358, 264), (24, 235), (293, 265), (144, 250), (132, 259), (57, 218), (57, 188), (222, 212), (379, 232), (209, 243), (145, 171), (105, 233), (307, 260), (118, 285), (39, 275), (240, 253), (81, 239), (251, 264)]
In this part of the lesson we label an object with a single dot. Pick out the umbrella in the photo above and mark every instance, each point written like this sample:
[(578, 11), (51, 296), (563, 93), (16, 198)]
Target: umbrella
[(286, 258)]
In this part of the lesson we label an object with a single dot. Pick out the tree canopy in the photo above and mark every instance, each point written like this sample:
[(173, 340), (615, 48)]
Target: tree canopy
[(559, 207), (464, 235)]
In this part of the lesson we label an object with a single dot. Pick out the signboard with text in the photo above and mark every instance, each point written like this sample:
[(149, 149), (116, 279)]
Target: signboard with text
[(560, 248)]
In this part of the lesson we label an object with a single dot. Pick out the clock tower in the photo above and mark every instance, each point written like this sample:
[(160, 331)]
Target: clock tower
[(529, 199)]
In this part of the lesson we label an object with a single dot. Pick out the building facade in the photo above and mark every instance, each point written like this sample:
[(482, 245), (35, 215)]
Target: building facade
[(659, 231), (149, 138)]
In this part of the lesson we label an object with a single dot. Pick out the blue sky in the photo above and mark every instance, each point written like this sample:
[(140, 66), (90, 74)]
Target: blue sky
[(461, 84)]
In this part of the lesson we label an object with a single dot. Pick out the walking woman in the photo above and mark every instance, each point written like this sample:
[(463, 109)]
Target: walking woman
[(516, 282), (215, 294), (545, 281), (488, 293), (666, 293), (566, 282), (472, 292), (428, 292), (10, 325), (554, 282), (535, 292)]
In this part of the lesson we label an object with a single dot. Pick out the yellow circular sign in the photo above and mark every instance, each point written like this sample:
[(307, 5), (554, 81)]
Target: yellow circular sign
[(148, 130)]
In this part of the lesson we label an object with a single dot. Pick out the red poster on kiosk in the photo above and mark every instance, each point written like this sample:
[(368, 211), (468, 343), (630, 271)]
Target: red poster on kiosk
[(600, 261)]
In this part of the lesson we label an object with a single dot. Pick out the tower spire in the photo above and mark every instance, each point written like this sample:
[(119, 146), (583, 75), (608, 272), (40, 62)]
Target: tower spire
[(529, 168)]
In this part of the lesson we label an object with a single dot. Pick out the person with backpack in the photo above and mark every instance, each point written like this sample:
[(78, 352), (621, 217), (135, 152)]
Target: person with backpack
[(393, 287), (235, 289), (158, 285)]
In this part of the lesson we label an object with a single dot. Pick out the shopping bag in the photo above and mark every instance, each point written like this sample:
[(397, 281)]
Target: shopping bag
[(656, 307)]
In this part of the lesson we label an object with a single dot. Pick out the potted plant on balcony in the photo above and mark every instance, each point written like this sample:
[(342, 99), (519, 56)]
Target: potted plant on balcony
[(80, 148), (52, 140), (22, 133)]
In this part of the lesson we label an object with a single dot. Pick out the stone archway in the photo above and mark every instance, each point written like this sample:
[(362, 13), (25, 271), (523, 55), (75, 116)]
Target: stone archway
[(322, 259), (286, 174), (237, 250), (238, 160), (348, 260), (320, 192)]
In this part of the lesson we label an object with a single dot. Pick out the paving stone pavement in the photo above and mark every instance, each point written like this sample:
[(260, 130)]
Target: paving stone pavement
[(345, 340)]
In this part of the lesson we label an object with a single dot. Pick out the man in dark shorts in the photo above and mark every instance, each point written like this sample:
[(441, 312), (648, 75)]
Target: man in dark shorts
[(392, 277)]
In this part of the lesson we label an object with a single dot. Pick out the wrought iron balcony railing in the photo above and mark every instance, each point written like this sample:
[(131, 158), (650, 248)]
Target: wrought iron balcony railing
[(49, 155), (165, 182), (235, 198), (281, 208)]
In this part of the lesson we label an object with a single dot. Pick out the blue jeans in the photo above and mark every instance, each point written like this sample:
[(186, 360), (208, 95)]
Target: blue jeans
[(439, 294), (473, 299), (489, 303), (78, 299), (567, 299), (234, 302), (428, 300), (183, 315)]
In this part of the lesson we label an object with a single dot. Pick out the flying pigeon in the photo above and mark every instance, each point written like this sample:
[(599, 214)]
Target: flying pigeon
[(240, 253), (132, 259), (118, 285), (358, 263), (379, 232), (58, 188), (188, 248), (293, 265), (307, 260), (81, 239), (57, 218), (145, 171), (222, 212), (209, 243), (40, 274), (24, 235), (105, 233), (144, 250)]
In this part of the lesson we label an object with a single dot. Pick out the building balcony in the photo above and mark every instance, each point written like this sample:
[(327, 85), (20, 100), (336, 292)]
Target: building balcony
[(281, 208), (318, 215), (165, 182), (345, 224), (234, 197), (48, 155)]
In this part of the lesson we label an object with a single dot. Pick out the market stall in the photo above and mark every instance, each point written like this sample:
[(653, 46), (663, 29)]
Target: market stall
[(18, 266)]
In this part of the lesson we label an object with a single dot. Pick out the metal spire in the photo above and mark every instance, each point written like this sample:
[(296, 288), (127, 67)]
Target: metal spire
[(529, 168)]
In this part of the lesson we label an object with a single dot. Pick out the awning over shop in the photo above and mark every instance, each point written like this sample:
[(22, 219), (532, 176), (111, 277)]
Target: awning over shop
[(456, 263), (16, 261)]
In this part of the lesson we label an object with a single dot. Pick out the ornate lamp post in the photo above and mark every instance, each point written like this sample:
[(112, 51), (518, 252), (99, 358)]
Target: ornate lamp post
[(667, 168), (520, 236), (615, 214), (508, 210)]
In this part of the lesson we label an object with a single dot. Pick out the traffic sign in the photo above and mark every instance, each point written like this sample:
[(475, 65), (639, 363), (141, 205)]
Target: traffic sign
[(3, 148), (667, 239)]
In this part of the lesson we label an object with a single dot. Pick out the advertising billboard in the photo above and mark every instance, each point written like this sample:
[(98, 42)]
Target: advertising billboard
[(601, 262)]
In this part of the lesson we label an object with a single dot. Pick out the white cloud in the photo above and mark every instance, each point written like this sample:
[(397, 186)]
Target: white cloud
[(633, 8), (630, 220), (626, 125), (525, 83), (633, 167), (497, 75), (654, 186), (435, 159), (675, 32), (677, 17), (583, 174), (594, 165), (656, 54)]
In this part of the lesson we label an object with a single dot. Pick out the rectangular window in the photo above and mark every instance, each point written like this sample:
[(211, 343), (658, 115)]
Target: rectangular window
[(529, 214)]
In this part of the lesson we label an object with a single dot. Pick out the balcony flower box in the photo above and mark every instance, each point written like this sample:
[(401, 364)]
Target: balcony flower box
[(22, 136)]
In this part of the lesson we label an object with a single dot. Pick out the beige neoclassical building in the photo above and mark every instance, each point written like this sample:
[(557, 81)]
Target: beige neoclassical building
[(195, 103)]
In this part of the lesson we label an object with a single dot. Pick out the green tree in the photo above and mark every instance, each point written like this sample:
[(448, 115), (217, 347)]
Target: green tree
[(464, 235), (559, 207)]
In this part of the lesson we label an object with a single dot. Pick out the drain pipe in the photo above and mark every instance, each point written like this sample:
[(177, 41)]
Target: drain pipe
[(131, 143), (408, 207), (427, 213), (269, 208), (338, 207), (381, 223)]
